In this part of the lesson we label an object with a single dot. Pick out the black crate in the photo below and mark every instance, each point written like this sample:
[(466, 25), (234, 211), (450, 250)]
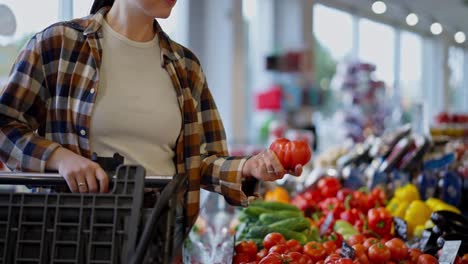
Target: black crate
[(64, 228)]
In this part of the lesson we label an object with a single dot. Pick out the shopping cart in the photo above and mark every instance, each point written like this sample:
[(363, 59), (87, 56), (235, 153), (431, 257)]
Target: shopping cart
[(98, 228)]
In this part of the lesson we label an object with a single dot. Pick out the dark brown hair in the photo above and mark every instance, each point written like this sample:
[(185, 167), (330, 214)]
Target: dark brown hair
[(98, 4)]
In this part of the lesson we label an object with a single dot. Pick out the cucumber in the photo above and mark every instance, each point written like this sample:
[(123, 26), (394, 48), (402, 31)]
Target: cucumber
[(270, 218), (294, 224), (258, 232), (255, 211), (275, 206), (289, 234)]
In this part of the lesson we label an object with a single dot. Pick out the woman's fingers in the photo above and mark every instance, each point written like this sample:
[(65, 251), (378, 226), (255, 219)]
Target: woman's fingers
[(103, 180), (81, 182)]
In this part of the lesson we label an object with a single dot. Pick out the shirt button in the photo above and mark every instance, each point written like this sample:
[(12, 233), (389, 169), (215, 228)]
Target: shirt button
[(83, 132), (92, 91)]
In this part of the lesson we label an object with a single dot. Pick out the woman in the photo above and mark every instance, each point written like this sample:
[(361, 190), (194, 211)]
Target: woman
[(115, 82)]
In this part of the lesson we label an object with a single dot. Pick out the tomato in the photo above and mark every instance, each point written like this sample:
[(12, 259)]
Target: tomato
[(398, 249), (294, 246), (427, 259), (344, 261), (272, 258), (262, 253), (241, 258), (247, 247), (315, 251), (351, 216), (329, 247), (332, 259), (379, 253), (413, 254), (280, 249), (359, 250), (370, 241), (377, 198), (329, 186), (298, 258), (356, 239), (363, 259), (319, 262), (336, 238), (291, 153), (273, 239)]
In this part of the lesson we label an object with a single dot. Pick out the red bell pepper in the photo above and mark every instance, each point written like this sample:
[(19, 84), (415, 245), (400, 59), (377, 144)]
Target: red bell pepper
[(380, 221), (352, 215)]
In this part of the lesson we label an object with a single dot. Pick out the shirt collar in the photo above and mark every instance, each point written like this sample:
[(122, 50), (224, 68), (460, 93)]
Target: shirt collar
[(167, 50)]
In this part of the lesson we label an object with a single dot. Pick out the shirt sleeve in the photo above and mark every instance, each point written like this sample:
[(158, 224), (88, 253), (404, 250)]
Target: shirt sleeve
[(221, 173), (23, 108)]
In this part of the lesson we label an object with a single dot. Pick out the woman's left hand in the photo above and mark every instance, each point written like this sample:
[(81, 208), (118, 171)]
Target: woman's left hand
[(266, 166)]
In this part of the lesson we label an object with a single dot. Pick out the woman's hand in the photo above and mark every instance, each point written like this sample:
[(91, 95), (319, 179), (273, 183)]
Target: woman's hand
[(82, 175), (267, 167)]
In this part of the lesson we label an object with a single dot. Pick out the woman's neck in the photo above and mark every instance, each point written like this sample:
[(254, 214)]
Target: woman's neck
[(130, 22)]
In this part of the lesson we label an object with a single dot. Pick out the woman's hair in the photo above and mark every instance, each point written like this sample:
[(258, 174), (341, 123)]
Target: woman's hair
[(98, 4)]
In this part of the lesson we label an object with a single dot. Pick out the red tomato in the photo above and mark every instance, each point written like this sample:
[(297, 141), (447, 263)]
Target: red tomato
[(272, 258), (336, 238), (363, 259), (413, 254), (359, 250), (291, 153), (280, 249), (427, 259), (315, 251), (370, 241), (329, 186), (241, 258), (247, 247), (344, 261), (356, 239), (298, 258), (319, 262), (379, 253), (262, 253), (332, 259), (398, 249), (273, 239), (329, 246), (294, 246)]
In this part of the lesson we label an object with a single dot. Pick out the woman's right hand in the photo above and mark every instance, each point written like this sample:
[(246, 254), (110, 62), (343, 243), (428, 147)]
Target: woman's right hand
[(82, 175)]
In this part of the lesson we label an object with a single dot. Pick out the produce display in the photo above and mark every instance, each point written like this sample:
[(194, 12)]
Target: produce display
[(399, 198)]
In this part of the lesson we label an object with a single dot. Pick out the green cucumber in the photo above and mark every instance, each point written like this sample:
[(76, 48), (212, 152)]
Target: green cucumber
[(275, 206), (270, 218), (255, 211), (294, 224), (258, 232)]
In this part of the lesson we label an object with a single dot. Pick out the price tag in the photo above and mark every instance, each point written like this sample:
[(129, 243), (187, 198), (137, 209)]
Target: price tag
[(425, 239), (347, 251), (449, 251), (326, 224), (401, 228)]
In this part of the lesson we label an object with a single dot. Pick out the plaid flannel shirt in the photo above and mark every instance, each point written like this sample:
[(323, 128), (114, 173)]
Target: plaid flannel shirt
[(49, 97)]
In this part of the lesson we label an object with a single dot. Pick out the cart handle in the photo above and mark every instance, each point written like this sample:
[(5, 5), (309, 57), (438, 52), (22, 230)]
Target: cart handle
[(55, 179)]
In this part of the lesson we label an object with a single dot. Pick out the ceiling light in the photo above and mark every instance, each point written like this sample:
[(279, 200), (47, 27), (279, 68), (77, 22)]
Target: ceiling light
[(436, 28), (460, 37), (379, 7), (412, 19)]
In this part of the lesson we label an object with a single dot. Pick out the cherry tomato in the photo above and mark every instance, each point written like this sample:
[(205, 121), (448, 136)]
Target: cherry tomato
[(241, 258), (329, 246), (328, 186), (280, 249), (272, 258), (370, 241), (413, 254), (294, 246), (398, 249), (315, 251), (356, 239), (291, 153), (298, 258), (379, 253), (262, 253), (247, 247), (359, 250), (273, 239), (427, 259)]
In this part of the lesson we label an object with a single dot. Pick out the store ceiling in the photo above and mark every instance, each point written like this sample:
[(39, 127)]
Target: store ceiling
[(452, 14)]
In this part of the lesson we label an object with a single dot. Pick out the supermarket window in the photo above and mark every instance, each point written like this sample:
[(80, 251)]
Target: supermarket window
[(31, 17), (456, 66), (333, 30), (377, 46), (411, 69)]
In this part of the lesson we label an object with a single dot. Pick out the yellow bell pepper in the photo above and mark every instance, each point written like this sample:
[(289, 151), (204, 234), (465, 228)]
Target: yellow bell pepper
[(418, 231), (408, 193), (439, 205), (277, 195), (397, 207), (429, 224), (417, 214)]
